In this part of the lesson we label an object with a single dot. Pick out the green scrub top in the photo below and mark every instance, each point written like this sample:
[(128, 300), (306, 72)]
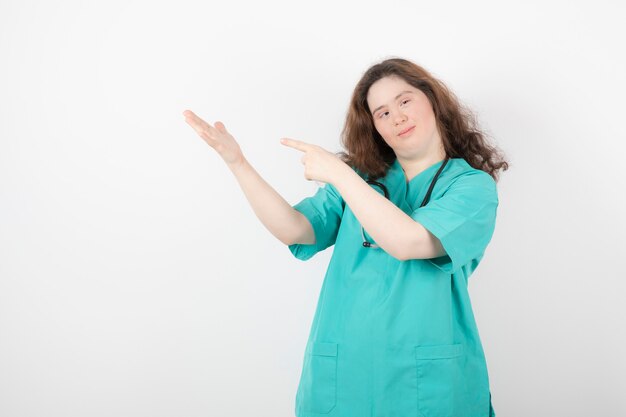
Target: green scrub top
[(395, 338)]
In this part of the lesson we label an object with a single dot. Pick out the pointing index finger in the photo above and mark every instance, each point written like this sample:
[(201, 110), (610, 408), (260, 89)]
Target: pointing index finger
[(296, 144)]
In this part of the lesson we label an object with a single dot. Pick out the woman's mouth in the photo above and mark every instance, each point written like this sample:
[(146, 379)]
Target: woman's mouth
[(405, 132)]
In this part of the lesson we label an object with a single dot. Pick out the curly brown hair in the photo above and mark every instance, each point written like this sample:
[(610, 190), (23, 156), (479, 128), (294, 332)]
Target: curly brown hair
[(369, 154)]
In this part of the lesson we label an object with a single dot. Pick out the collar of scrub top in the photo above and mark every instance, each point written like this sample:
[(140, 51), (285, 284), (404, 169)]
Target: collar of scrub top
[(425, 201)]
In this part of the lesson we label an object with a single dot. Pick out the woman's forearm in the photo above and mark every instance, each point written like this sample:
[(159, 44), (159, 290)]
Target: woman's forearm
[(399, 235), (286, 223)]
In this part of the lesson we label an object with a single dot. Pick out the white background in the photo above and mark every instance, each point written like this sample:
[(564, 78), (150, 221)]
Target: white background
[(135, 280)]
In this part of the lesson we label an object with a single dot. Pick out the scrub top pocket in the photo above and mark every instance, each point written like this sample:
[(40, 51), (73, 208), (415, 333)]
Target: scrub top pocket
[(318, 385), (439, 379)]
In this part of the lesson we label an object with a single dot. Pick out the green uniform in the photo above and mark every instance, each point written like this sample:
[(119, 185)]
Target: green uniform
[(395, 338)]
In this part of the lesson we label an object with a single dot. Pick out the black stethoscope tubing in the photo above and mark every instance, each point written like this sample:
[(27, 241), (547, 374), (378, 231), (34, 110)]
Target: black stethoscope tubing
[(386, 192)]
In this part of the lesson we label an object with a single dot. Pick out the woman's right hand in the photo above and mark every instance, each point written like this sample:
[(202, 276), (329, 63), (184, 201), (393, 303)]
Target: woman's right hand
[(217, 137)]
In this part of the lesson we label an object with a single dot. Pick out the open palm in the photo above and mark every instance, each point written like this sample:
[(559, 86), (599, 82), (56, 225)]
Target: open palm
[(217, 137)]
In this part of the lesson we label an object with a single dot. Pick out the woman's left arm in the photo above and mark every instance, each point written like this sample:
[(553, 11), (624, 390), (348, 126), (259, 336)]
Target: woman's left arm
[(392, 229)]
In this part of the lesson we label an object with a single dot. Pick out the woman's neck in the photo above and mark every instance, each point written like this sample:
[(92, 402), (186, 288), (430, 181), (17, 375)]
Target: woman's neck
[(413, 167)]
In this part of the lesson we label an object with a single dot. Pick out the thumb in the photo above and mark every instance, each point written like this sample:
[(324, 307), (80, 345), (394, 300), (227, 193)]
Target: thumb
[(220, 126)]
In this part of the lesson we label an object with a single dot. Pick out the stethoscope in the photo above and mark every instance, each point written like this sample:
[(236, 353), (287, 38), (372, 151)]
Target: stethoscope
[(425, 201)]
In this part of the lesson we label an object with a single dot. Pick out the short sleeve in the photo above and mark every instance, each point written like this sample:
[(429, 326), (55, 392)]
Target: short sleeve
[(463, 219), (324, 211)]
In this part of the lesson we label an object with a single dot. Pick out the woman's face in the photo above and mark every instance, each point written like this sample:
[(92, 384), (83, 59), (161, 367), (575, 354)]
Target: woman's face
[(404, 117)]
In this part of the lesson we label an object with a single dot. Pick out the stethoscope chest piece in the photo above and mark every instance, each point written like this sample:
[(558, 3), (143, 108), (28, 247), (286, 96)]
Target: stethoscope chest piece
[(366, 243)]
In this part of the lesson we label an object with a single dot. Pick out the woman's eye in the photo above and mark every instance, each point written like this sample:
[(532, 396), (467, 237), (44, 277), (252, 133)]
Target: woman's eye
[(383, 114), (405, 101)]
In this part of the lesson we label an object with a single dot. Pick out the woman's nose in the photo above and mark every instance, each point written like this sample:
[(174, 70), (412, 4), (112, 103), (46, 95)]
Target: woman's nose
[(400, 117)]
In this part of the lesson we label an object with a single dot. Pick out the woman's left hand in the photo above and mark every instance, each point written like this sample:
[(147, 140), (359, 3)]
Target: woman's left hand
[(319, 164)]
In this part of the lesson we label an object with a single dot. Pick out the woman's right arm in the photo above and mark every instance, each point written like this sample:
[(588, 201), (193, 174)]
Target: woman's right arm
[(277, 215), (286, 223)]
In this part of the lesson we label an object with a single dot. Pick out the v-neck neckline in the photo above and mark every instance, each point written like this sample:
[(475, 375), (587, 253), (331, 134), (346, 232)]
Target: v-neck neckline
[(417, 185), (430, 169)]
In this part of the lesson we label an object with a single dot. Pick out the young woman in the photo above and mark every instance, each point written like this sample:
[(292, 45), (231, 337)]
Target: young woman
[(410, 208)]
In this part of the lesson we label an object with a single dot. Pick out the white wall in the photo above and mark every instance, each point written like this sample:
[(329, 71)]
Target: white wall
[(136, 281)]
